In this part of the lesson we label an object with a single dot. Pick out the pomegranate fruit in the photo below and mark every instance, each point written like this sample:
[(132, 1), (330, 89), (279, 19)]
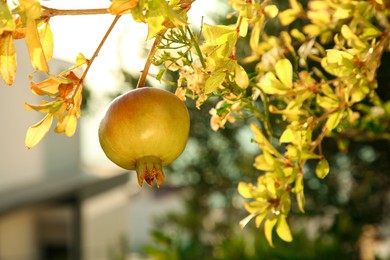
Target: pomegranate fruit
[(143, 130)]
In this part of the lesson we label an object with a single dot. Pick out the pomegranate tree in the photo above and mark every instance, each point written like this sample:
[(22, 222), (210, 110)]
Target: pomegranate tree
[(143, 130)]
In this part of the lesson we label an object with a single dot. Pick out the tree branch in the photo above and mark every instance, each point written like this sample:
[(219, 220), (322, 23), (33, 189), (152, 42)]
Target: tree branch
[(48, 12), (145, 71), (90, 61)]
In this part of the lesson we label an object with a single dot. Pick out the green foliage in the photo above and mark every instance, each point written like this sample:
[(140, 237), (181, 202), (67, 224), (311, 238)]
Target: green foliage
[(313, 79)]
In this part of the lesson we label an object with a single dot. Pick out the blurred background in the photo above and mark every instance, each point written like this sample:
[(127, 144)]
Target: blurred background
[(65, 200)]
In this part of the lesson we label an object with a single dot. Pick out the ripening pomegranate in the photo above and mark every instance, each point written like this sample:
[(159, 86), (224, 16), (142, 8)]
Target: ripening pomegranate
[(145, 129)]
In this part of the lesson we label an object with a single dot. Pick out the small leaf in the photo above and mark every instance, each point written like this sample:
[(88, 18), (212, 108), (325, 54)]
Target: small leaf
[(268, 228), (214, 82), (46, 36), (322, 168), (7, 58), (36, 132), (271, 10), (245, 189), (122, 6), (284, 70), (301, 201), (32, 8), (287, 136), (241, 77), (271, 85), (46, 107), (283, 230), (80, 59), (7, 22), (260, 218), (35, 50), (334, 120), (243, 27), (218, 34), (67, 124)]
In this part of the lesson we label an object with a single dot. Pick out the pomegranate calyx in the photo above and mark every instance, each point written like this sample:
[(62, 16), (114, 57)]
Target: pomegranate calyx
[(149, 168)]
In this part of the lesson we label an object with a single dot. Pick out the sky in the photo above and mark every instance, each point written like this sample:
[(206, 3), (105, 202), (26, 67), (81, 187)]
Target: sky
[(123, 49)]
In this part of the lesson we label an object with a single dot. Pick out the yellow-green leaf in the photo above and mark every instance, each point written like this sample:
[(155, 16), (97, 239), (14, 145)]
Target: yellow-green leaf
[(284, 70), (67, 124), (36, 132), (241, 77), (218, 34), (46, 37), (243, 27), (263, 141), (260, 218), (287, 136), (334, 120), (245, 189), (32, 8), (322, 168), (268, 228), (7, 58), (80, 59), (271, 10), (301, 201), (46, 107), (283, 230), (214, 82), (35, 50), (271, 85), (122, 6), (7, 22)]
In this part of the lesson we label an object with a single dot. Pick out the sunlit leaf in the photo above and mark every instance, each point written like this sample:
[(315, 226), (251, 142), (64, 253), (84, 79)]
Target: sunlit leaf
[(283, 230), (262, 164), (155, 24), (257, 206), (271, 85), (260, 218), (263, 141), (288, 16), (80, 59), (245, 189), (241, 77), (214, 82), (67, 124), (32, 8), (122, 6), (36, 132), (268, 228), (35, 49), (287, 136), (284, 70), (271, 10), (353, 39), (218, 34), (6, 22), (322, 168), (327, 102), (243, 28), (46, 107), (301, 201), (48, 86), (46, 36), (334, 120), (7, 58)]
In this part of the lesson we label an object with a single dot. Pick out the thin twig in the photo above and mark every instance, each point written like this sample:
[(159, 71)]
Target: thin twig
[(145, 71), (50, 12), (90, 61)]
